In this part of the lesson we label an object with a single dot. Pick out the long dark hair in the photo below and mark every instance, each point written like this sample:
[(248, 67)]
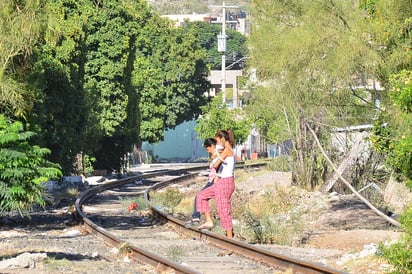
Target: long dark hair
[(227, 135), (209, 142)]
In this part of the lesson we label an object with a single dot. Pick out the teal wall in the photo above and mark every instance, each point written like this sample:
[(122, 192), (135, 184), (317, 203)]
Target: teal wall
[(180, 144)]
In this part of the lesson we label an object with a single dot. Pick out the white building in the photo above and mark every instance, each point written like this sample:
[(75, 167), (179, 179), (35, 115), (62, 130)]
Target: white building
[(234, 20)]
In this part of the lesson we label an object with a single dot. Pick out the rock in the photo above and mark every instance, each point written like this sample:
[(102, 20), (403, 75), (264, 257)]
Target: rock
[(25, 260), (71, 233), (95, 180), (114, 250), (397, 195), (67, 181)]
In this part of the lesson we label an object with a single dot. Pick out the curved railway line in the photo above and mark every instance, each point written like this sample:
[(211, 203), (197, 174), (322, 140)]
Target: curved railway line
[(100, 210)]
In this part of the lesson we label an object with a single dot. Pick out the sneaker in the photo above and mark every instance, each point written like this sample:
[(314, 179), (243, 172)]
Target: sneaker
[(193, 222)]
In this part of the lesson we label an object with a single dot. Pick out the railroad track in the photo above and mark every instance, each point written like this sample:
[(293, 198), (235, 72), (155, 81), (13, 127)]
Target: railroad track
[(102, 221)]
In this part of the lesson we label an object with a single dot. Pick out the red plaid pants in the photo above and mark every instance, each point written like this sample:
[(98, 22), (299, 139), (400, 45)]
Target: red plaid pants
[(222, 191)]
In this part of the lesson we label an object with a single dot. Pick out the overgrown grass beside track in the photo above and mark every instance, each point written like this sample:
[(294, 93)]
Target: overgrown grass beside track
[(268, 215)]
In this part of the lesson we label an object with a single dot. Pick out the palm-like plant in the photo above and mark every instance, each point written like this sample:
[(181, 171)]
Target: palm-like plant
[(23, 169)]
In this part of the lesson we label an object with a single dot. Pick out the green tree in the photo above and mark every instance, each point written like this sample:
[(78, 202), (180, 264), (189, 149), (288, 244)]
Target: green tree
[(216, 117), (400, 156), (390, 34), (111, 45), (20, 23), (110, 74), (61, 114), (392, 135), (236, 44), (170, 77), (399, 254), (23, 169), (391, 21), (311, 57)]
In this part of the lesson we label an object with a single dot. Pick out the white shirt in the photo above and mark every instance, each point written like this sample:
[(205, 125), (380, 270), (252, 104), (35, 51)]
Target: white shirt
[(227, 168)]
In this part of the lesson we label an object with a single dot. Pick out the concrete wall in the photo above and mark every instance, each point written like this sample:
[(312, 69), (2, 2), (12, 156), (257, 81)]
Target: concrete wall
[(180, 145)]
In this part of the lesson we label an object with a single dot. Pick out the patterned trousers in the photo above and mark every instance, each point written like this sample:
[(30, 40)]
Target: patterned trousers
[(222, 191)]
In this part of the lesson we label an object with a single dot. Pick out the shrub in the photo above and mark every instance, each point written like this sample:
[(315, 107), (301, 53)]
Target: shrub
[(270, 218), (400, 254), (280, 163), (23, 169), (168, 199)]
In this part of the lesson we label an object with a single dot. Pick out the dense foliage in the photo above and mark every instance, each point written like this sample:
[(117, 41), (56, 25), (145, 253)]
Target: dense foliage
[(95, 79), (236, 45), (92, 79), (313, 57), (217, 117), (108, 75), (23, 169), (392, 24), (393, 130), (399, 254), (171, 79), (19, 30)]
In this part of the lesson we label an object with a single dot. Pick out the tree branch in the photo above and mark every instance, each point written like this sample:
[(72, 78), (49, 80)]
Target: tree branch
[(377, 211)]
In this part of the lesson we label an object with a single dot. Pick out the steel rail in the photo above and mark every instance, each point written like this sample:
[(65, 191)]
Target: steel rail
[(163, 264), (137, 253), (261, 255)]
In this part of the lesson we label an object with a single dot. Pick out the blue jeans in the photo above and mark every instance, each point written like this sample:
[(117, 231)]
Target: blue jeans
[(196, 214)]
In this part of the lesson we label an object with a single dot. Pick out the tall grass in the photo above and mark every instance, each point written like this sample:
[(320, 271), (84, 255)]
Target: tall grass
[(269, 217)]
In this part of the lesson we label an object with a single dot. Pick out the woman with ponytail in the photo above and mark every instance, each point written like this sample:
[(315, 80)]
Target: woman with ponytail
[(223, 187)]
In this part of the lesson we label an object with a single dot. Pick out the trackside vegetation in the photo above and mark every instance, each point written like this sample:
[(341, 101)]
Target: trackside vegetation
[(23, 169), (313, 59), (82, 83)]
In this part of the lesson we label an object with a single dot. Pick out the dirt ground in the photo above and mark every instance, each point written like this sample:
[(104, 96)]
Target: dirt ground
[(341, 231), (351, 239), (343, 234)]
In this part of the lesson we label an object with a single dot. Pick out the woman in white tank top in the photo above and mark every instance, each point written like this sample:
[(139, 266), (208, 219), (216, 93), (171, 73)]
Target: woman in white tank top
[(223, 187)]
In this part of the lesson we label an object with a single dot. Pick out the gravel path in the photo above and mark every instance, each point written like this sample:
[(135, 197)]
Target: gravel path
[(344, 236), (69, 248)]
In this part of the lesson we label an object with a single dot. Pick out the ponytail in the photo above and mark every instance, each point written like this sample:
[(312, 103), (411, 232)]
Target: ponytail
[(231, 140), (227, 135)]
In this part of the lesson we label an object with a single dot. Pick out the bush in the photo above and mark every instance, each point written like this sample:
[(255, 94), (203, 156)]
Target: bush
[(23, 169), (400, 254), (270, 217), (280, 163), (168, 199)]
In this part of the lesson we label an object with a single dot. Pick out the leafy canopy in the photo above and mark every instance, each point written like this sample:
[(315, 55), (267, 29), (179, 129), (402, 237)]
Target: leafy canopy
[(236, 44), (19, 31), (392, 29), (392, 134), (170, 77), (111, 74), (309, 57), (216, 117)]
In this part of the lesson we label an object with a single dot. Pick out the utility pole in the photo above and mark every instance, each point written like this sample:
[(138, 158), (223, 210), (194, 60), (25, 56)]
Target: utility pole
[(221, 45)]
